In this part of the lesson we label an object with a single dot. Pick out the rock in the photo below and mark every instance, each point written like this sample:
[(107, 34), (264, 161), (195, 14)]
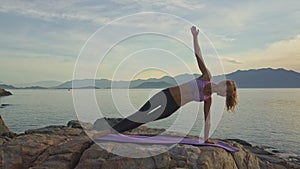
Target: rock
[(181, 163), (242, 142), (4, 139), (4, 105), (4, 92), (3, 127), (267, 159), (79, 124), (181, 156), (96, 157), (43, 151), (56, 130), (74, 124), (63, 155), (67, 148), (23, 150), (93, 157), (105, 123), (245, 158), (5, 134), (137, 163)]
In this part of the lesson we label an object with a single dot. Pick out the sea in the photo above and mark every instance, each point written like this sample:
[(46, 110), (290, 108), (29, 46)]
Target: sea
[(269, 118)]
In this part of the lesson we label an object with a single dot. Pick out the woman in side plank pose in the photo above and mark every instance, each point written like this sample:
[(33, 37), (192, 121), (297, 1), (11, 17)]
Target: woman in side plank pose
[(168, 101)]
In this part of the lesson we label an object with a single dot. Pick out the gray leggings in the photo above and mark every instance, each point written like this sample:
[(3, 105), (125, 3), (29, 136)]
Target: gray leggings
[(159, 106)]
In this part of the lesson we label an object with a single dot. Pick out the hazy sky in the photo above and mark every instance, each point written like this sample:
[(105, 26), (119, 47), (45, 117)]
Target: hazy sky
[(41, 40)]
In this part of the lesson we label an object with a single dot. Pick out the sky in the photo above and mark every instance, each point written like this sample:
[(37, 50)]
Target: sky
[(124, 40)]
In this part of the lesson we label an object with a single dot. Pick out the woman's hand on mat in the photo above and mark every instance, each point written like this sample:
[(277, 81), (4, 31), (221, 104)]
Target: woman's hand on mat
[(194, 31), (210, 141)]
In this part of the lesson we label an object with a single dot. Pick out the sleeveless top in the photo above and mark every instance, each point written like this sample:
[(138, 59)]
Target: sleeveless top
[(197, 88)]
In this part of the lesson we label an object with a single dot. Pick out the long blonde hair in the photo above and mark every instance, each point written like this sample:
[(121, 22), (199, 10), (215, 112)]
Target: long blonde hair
[(231, 95)]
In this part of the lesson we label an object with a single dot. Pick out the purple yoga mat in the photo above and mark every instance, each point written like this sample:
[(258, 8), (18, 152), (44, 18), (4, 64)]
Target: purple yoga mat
[(161, 140)]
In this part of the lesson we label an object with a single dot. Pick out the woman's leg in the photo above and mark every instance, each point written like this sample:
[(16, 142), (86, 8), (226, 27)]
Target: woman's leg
[(159, 106)]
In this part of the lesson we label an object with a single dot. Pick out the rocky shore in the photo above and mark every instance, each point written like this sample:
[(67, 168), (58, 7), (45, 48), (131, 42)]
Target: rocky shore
[(68, 147), (4, 92)]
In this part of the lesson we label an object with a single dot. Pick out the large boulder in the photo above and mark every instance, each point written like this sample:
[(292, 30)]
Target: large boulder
[(68, 148), (4, 92), (21, 152), (63, 155)]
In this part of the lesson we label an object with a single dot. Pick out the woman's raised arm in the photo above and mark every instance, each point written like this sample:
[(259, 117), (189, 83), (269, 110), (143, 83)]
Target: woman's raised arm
[(205, 72)]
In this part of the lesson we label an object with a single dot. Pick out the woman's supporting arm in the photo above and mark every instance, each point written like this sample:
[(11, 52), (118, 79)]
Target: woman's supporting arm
[(198, 53), (207, 104)]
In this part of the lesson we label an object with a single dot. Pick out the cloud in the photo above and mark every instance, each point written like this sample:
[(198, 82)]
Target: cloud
[(243, 34), (266, 18), (225, 37), (91, 10), (53, 10), (63, 44), (162, 5), (280, 54), (224, 18), (231, 60)]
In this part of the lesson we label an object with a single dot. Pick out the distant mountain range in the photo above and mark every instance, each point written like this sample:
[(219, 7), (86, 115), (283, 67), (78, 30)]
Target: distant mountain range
[(44, 84), (253, 78), (266, 78), (34, 85)]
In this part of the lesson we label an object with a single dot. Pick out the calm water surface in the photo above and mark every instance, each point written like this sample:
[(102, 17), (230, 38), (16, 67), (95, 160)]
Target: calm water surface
[(265, 117)]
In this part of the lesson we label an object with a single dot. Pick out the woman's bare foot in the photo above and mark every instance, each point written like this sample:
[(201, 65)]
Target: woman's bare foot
[(97, 134)]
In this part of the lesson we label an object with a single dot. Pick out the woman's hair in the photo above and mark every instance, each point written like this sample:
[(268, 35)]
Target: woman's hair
[(231, 95)]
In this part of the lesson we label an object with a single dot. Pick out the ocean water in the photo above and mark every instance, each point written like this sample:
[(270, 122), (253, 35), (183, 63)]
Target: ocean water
[(263, 117)]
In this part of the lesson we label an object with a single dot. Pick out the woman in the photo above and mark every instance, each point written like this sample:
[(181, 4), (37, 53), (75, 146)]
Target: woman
[(167, 101)]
